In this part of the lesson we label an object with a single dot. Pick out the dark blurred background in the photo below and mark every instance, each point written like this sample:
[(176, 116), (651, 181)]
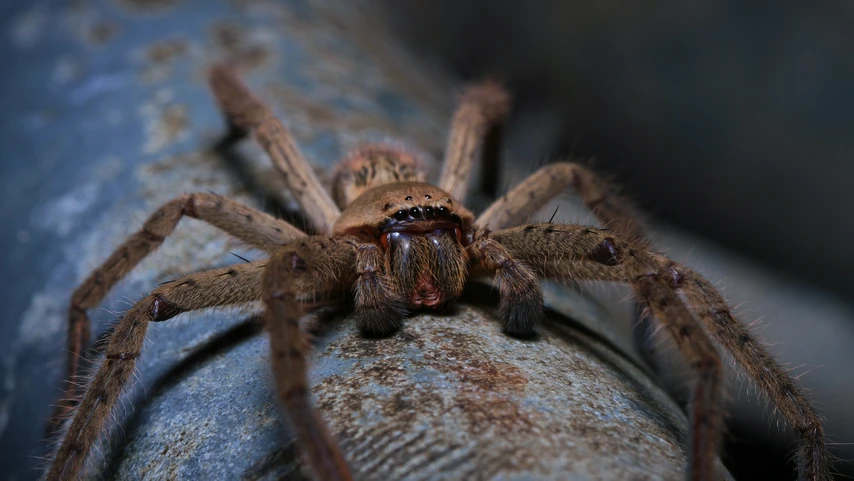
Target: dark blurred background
[(732, 119)]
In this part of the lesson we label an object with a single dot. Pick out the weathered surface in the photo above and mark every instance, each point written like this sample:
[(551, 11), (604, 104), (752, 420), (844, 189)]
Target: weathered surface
[(114, 119), (449, 396)]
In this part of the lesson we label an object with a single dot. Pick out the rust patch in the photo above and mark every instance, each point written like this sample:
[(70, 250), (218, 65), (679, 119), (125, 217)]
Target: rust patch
[(160, 58), (346, 398), (102, 33), (170, 124), (369, 348), (226, 35), (166, 50), (495, 413), (174, 121), (445, 381), (472, 369), (406, 408), (492, 376), (309, 116)]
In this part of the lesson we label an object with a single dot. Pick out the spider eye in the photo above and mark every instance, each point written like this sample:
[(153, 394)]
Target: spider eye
[(443, 210), (401, 215), (428, 212), (415, 212)]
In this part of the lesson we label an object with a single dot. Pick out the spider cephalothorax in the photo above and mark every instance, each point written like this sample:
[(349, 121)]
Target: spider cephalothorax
[(396, 243), (422, 232)]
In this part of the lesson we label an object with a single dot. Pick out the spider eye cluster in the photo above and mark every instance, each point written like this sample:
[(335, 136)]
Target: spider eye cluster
[(426, 212)]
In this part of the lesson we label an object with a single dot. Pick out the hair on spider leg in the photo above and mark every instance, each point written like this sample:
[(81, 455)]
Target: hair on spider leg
[(239, 257)]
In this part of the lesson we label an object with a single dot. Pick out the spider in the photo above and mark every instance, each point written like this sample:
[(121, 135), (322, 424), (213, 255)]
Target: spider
[(396, 243)]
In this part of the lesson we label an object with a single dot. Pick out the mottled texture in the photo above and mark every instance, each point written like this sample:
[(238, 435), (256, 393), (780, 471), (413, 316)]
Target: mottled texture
[(449, 395)]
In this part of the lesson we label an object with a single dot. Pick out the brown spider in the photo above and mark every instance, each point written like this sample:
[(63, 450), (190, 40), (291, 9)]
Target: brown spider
[(399, 244)]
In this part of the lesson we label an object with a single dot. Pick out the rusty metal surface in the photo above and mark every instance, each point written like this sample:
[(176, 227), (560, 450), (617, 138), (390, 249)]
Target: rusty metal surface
[(447, 397)]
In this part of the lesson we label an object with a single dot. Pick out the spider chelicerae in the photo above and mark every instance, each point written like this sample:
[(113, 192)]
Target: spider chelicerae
[(396, 243)]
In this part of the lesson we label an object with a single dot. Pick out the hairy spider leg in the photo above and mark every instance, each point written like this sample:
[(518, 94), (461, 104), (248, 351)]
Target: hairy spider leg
[(254, 227), (314, 267), (246, 112), (232, 285), (481, 108)]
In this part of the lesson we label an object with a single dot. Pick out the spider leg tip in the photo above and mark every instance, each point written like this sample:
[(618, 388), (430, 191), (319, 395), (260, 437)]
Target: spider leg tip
[(491, 97)]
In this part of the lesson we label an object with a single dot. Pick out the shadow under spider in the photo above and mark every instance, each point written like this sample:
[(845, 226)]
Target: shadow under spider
[(236, 164)]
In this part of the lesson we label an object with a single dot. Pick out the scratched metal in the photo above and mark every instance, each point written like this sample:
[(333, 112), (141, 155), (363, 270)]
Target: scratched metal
[(112, 119)]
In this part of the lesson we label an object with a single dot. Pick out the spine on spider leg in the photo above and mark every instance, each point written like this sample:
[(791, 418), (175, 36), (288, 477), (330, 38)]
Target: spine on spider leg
[(564, 251), (614, 212), (602, 197)]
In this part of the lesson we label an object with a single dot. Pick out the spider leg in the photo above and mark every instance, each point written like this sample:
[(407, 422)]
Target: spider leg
[(651, 284), (521, 298), (237, 284), (571, 252), (708, 304), (480, 108), (379, 307), (251, 226), (245, 111), (545, 184), (749, 353), (304, 269)]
